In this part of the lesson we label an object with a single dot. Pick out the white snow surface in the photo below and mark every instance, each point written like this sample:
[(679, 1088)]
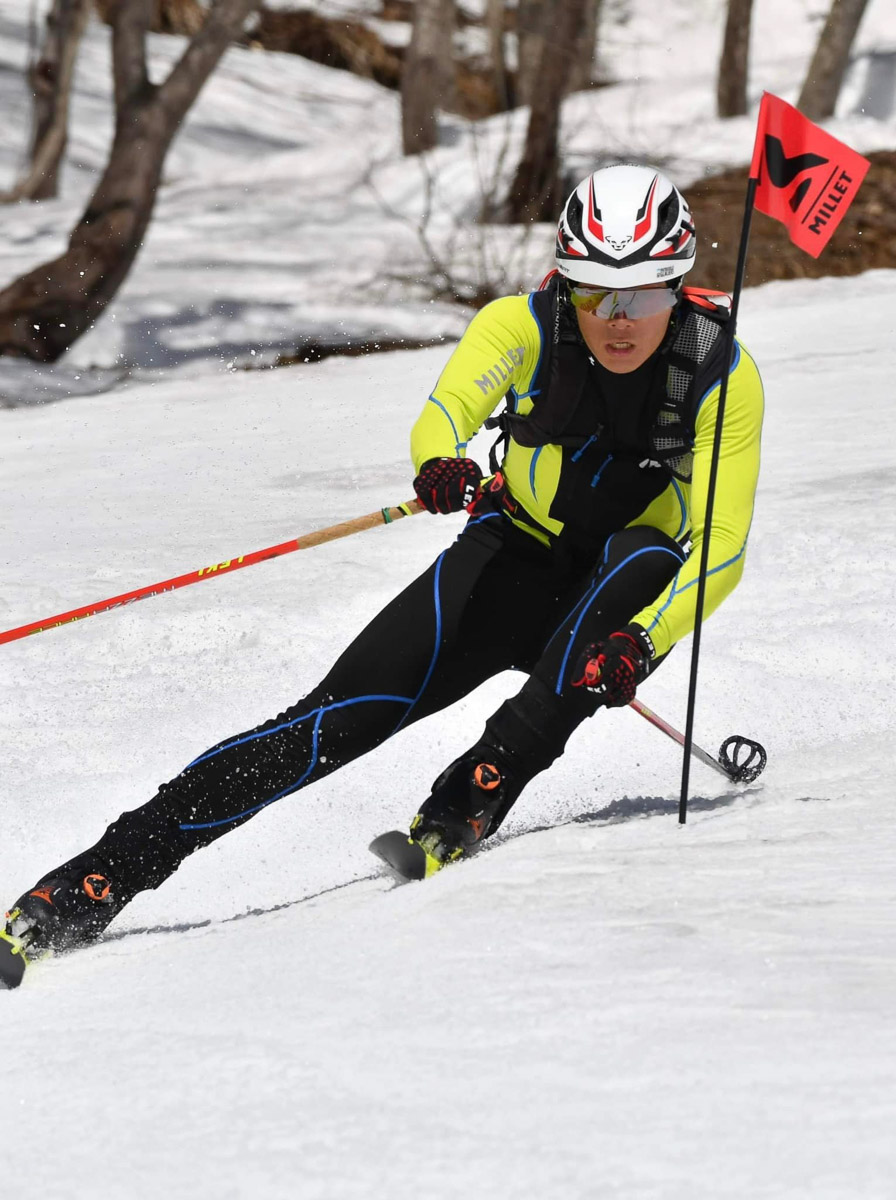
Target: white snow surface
[(615, 1007), (604, 1004)]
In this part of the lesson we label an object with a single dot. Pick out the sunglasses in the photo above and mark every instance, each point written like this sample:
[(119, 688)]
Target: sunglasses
[(633, 304)]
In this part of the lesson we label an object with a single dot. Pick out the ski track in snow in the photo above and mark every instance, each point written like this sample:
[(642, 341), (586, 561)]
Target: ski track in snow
[(615, 1007), (604, 1004)]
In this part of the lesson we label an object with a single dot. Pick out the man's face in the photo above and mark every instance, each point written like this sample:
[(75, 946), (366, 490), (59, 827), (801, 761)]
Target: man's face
[(623, 340)]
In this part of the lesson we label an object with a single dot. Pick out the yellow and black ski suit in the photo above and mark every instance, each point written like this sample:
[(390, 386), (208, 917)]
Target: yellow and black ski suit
[(597, 528)]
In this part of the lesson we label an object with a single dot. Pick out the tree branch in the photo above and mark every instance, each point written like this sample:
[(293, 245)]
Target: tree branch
[(223, 23), (131, 20)]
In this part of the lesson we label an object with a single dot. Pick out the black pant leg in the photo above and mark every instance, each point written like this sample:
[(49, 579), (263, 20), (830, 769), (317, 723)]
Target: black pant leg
[(534, 726), (637, 564), (439, 639)]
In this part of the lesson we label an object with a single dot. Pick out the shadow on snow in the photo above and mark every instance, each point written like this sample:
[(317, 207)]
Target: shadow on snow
[(628, 808)]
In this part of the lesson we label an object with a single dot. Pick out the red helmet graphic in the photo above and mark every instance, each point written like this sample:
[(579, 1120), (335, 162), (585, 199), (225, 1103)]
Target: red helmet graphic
[(623, 227)]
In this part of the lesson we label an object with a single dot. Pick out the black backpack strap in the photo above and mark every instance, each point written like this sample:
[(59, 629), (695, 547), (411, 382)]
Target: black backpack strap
[(498, 422)]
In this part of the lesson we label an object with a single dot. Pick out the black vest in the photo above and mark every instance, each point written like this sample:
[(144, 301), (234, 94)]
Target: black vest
[(603, 488), (692, 354)]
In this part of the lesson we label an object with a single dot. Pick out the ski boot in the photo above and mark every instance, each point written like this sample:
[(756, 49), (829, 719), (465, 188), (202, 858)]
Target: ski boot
[(472, 797), (469, 801), (68, 908)]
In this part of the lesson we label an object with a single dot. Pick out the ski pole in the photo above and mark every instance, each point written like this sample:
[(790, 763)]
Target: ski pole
[(384, 516), (729, 762)]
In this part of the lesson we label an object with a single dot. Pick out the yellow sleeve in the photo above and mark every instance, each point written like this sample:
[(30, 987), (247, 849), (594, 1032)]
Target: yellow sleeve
[(672, 615), (499, 350)]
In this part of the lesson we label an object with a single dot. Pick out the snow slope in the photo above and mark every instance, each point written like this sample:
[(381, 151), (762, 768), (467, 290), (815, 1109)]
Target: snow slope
[(604, 1005), (617, 1007)]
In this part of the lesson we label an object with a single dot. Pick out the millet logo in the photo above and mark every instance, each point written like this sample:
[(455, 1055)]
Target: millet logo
[(782, 171), (502, 371)]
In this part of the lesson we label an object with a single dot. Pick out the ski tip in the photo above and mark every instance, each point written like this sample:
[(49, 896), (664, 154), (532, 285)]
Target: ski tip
[(404, 857), (13, 962)]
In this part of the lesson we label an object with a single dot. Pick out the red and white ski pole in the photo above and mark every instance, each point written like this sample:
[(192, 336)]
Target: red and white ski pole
[(384, 516), (728, 762), (732, 762)]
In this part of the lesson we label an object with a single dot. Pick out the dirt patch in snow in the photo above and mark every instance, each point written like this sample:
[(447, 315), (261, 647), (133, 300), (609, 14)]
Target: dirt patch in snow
[(865, 240)]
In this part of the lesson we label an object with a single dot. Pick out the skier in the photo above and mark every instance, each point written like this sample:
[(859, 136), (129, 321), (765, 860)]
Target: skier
[(578, 565)]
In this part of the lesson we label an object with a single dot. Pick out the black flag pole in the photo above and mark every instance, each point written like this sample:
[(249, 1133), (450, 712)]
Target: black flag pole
[(711, 495), (787, 145)]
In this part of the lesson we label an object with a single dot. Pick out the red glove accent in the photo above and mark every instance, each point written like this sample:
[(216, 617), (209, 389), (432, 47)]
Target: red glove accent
[(491, 497), (446, 485), (614, 667)]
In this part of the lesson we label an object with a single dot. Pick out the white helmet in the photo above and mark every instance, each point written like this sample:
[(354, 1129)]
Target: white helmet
[(625, 226)]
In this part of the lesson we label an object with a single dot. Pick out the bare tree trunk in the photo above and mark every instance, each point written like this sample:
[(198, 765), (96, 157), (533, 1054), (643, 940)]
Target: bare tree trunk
[(731, 90), (818, 98), (537, 23), (583, 68), (494, 20), (50, 76), (531, 27), (427, 75), (44, 312), (534, 191)]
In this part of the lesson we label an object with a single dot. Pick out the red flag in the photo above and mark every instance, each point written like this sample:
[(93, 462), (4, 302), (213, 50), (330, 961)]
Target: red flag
[(806, 178)]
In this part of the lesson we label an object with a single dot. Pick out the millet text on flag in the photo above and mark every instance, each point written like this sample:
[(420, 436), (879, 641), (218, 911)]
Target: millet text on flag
[(806, 179)]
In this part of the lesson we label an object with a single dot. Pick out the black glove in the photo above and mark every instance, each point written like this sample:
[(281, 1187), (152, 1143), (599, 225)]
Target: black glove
[(614, 667), (446, 485)]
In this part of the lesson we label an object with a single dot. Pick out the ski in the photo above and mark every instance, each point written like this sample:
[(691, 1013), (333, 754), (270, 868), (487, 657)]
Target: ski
[(13, 961), (405, 858)]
